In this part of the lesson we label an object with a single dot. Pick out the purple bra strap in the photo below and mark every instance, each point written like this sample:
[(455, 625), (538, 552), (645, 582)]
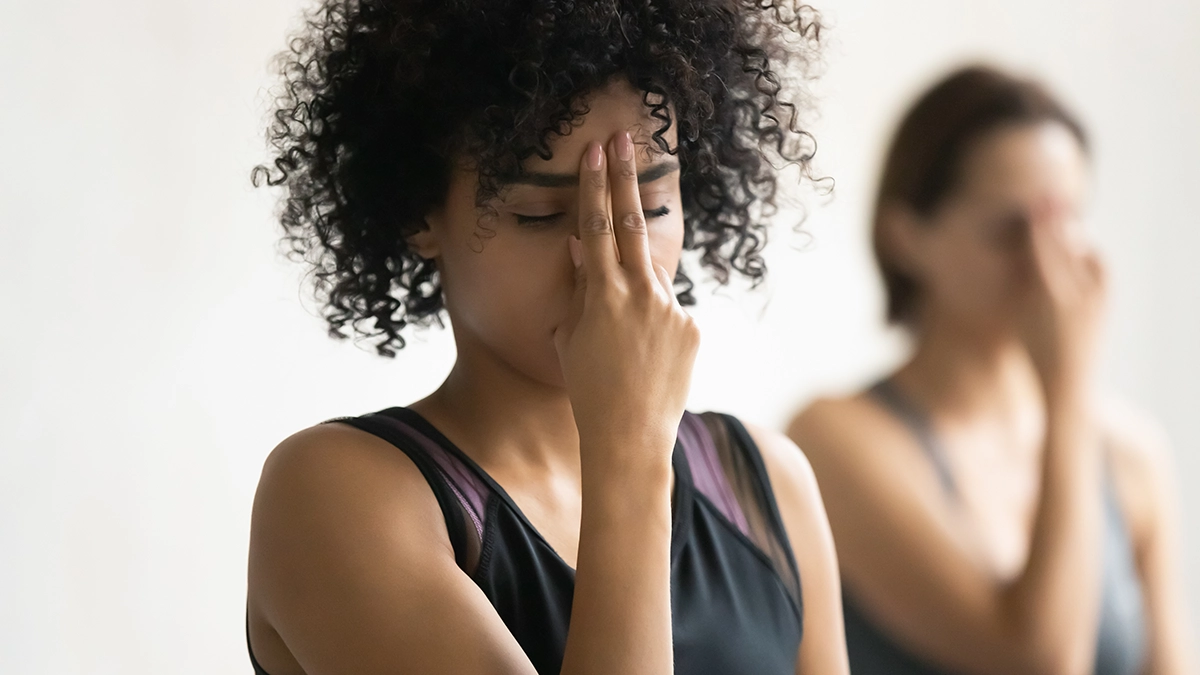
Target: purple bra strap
[(468, 487), (708, 476)]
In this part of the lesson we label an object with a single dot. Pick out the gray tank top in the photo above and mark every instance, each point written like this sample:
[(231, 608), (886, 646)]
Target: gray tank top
[(1120, 641)]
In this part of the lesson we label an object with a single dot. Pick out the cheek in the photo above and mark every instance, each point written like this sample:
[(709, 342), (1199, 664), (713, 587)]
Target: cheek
[(984, 274), (513, 280), (969, 272)]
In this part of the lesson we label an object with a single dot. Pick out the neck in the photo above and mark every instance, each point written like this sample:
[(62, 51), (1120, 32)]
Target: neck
[(961, 371), (505, 420)]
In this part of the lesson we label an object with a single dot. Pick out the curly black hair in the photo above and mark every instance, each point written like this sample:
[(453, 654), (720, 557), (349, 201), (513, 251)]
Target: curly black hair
[(380, 98)]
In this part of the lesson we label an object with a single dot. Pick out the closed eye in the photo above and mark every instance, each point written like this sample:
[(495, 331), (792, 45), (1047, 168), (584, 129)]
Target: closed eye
[(553, 217), (534, 220)]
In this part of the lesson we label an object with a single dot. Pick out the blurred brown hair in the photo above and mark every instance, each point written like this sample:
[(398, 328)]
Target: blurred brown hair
[(927, 154)]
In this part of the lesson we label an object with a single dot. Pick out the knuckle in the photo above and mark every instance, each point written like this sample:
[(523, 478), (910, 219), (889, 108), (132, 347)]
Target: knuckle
[(633, 222), (627, 173), (594, 223), (644, 284), (596, 181), (688, 332)]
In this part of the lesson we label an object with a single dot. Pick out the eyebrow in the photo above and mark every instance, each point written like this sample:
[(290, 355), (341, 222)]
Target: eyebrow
[(562, 180)]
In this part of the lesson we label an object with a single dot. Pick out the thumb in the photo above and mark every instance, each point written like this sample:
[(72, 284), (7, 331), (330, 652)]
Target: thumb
[(575, 247), (664, 280), (563, 333)]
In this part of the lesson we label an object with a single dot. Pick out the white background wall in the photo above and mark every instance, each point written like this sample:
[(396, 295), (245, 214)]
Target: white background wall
[(155, 348)]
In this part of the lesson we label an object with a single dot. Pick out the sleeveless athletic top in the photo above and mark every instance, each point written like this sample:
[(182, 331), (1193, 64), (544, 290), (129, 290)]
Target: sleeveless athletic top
[(735, 590), (1120, 643)]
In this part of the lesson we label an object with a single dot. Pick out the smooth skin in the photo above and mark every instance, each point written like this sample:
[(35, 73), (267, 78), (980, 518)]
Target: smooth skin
[(1005, 577), (564, 318)]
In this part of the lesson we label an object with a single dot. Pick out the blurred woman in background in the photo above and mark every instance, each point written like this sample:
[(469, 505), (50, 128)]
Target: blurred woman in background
[(989, 518)]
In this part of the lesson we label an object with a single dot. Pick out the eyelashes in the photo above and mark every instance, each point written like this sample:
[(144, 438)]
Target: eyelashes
[(535, 221)]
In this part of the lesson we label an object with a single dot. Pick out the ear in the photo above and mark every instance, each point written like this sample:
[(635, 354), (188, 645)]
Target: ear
[(902, 234), (426, 241)]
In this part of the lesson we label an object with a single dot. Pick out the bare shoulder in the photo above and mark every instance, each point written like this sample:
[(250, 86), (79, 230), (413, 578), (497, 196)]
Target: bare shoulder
[(824, 414), (323, 456), (842, 432), (330, 496), (854, 415), (1141, 462), (333, 478), (1137, 440), (335, 472), (351, 567)]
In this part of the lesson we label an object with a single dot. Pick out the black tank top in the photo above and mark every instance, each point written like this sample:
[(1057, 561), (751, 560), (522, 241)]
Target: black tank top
[(735, 590), (1120, 642)]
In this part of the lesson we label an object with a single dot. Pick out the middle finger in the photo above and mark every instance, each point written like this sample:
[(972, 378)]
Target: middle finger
[(629, 222)]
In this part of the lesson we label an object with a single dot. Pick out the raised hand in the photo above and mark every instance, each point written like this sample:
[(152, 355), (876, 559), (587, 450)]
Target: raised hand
[(627, 348), (1062, 320)]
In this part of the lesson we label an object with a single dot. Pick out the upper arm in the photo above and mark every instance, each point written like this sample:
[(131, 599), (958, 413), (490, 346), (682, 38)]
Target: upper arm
[(823, 647), (350, 563), (1144, 477), (909, 565)]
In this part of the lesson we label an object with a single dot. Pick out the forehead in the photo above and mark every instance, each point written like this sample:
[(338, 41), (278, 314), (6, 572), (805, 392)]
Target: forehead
[(615, 108), (1027, 160)]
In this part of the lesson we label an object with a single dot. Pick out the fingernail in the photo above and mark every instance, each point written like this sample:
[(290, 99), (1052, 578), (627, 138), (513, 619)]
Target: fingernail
[(573, 245), (595, 156), (624, 146)]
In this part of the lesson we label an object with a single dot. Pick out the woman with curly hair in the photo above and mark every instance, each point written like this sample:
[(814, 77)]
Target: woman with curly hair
[(989, 517), (534, 170)]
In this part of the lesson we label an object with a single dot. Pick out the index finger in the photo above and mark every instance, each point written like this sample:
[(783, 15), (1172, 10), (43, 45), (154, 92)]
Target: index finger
[(595, 225), (1048, 248)]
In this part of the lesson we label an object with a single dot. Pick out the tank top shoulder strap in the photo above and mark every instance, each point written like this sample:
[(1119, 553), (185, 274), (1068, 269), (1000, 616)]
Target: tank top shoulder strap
[(728, 471), (461, 492), (886, 394), (1121, 633)]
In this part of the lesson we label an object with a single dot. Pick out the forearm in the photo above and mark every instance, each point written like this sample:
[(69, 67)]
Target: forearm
[(621, 613), (1054, 604)]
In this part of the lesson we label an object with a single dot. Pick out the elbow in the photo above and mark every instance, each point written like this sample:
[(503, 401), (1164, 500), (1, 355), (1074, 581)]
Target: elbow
[(1047, 652), (1063, 662), (1040, 647)]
